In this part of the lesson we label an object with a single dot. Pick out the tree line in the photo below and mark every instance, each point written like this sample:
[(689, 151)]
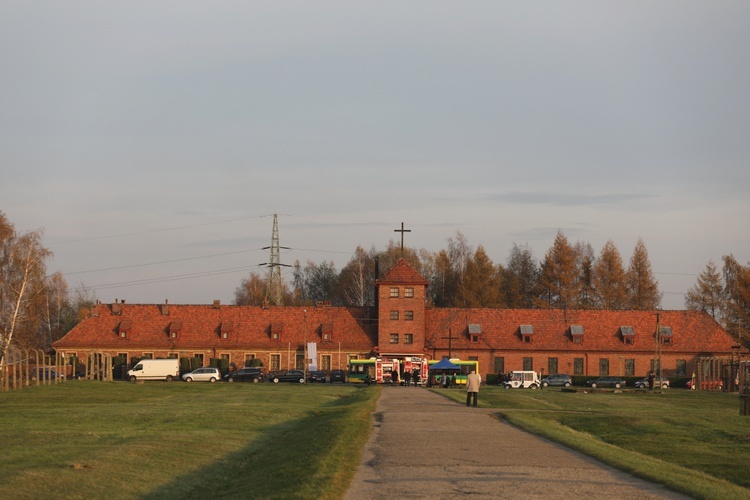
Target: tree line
[(570, 276)]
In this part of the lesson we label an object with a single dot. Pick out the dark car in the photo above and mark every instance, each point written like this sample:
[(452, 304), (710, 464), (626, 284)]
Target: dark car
[(615, 382), (45, 374), (643, 383), (249, 374), (317, 376), (338, 376), (290, 376), (561, 379)]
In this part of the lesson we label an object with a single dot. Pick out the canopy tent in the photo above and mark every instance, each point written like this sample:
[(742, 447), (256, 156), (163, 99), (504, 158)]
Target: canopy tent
[(444, 364)]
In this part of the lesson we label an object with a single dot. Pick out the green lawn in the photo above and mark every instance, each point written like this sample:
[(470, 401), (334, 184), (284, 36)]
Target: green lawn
[(692, 441), (175, 440)]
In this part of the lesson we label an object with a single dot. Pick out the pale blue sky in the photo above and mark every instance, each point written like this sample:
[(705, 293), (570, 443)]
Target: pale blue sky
[(504, 120)]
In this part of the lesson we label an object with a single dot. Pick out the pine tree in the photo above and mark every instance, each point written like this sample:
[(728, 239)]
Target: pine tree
[(708, 293), (609, 279), (558, 284), (481, 284), (643, 289), (585, 262), (519, 278)]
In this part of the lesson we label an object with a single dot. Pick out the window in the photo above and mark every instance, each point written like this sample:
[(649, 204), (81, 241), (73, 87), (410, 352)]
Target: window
[(408, 338), (628, 334), (225, 335), (409, 292), (394, 292), (603, 366), (148, 355), (528, 364), (474, 339), (408, 315), (249, 357), (72, 356), (174, 329), (577, 366), (630, 368), (666, 340), (123, 334), (394, 338), (275, 362), (325, 362), (552, 366), (576, 334), (681, 367), (326, 332), (172, 355), (226, 329), (527, 332), (299, 361), (199, 355), (394, 315), (499, 364)]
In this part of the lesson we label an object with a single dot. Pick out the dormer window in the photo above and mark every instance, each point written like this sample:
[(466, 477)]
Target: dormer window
[(276, 331), (527, 333), (326, 330), (576, 334), (474, 332), (174, 329), (666, 335), (124, 328), (227, 327), (628, 334)]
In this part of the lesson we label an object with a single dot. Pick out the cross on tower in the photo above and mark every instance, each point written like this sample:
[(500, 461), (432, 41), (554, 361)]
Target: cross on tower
[(402, 231)]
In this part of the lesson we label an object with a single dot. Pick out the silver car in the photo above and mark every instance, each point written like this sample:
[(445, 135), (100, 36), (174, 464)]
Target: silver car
[(205, 374)]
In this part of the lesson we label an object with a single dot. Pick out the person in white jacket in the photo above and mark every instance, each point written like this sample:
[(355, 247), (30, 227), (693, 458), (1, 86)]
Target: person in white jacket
[(473, 380)]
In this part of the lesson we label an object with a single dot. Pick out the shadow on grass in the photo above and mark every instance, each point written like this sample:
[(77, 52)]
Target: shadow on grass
[(314, 456)]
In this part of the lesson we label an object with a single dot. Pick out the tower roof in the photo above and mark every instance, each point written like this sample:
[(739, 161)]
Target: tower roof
[(402, 273)]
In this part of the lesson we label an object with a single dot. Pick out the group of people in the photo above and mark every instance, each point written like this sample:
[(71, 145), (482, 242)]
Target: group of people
[(407, 377)]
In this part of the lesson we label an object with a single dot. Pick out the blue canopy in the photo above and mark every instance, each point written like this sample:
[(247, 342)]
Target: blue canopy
[(444, 364)]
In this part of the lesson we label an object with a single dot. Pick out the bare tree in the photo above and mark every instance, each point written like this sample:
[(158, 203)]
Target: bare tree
[(520, 277), (357, 279), (22, 282)]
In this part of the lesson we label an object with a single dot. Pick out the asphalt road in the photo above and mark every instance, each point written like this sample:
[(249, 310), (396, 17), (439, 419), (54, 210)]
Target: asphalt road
[(426, 446)]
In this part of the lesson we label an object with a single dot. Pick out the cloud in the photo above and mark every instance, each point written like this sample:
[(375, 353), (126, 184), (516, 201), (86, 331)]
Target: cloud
[(568, 199)]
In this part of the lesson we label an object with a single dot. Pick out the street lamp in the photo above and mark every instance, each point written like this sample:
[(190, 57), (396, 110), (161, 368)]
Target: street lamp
[(304, 347)]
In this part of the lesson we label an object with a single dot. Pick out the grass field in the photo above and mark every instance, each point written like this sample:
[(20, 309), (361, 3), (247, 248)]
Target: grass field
[(177, 440), (692, 441)]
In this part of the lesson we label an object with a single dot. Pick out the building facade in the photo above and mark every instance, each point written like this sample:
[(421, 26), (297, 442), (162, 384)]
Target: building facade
[(578, 342)]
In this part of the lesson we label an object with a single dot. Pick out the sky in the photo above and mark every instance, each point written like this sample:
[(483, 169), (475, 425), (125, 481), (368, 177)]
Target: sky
[(153, 141)]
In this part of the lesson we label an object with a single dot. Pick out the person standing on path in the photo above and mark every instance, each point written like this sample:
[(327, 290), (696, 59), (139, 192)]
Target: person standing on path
[(472, 387)]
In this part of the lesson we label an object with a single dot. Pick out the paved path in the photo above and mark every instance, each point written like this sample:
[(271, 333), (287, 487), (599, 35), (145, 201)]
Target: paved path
[(424, 445)]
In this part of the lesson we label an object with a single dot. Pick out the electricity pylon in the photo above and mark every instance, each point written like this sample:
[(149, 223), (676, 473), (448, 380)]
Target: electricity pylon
[(274, 288)]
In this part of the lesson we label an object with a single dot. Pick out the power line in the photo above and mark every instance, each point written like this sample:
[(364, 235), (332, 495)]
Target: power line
[(151, 231), (149, 281)]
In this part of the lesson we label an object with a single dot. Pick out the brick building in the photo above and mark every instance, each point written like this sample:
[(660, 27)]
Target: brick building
[(579, 342)]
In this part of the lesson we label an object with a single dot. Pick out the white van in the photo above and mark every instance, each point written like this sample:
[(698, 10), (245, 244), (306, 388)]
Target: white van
[(155, 369)]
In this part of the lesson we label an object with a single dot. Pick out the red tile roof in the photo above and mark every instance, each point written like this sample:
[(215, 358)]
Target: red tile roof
[(692, 331), (200, 326), (403, 273)]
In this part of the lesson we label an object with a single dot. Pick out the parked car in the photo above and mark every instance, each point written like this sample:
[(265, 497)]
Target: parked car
[(317, 376), (706, 385), (45, 373), (615, 382), (561, 379), (290, 376), (643, 383), (206, 374), (247, 374), (338, 376)]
